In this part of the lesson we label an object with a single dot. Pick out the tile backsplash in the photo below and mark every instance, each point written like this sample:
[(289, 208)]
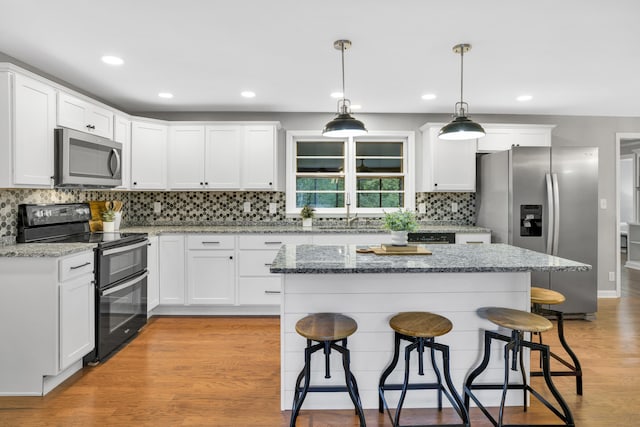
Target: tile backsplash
[(200, 207)]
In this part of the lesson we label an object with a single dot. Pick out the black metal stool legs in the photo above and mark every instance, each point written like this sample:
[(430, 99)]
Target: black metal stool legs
[(575, 369), (515, 344), (350, 381), (419, 344)]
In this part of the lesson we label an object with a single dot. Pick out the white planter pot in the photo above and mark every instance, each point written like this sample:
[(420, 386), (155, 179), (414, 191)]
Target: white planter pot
[(307, 222), (399, 238), (108, 226)]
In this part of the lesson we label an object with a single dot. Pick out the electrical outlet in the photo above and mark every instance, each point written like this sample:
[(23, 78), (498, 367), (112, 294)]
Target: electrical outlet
[(273, 208), (157, 207), (422, 208), (612, 276), (603, 203), (247, 207), (454, 207)]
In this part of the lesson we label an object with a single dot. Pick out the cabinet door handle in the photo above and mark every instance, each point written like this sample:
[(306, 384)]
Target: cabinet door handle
[(272, 292), (267, 265), (75, 267), (474, 241), (210, 243), (91, 127), (272, 243)]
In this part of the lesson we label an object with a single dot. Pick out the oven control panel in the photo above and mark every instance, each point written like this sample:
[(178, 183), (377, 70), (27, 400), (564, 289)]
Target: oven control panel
[(33, 215)]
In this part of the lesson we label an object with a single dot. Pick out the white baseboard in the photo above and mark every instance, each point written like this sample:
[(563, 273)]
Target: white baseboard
[(608, 294)]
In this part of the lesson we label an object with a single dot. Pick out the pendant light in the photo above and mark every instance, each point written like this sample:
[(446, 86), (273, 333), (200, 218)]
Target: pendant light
[(461, 127), (343, 125)]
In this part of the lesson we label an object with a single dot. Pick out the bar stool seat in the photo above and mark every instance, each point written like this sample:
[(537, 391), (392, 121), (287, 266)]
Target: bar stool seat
[(330, 331), (520, 322), (540, 297), (420, 328)]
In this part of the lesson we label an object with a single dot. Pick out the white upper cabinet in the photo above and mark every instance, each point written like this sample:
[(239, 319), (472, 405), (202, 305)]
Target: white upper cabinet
[(186, 157), (223, 156), (446, 165), (84, 116), (148, 156), (27, 121), (259, 157), (501, 137)]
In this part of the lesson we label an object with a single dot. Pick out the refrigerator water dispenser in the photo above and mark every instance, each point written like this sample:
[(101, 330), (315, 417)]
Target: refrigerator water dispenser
[(531, 220)]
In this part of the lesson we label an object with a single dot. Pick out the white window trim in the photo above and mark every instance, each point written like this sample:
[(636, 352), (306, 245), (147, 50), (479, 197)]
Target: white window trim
[(408, 165)]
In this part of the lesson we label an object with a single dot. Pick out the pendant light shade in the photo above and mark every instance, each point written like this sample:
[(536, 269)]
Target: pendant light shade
[(344, 124), (461, 127)]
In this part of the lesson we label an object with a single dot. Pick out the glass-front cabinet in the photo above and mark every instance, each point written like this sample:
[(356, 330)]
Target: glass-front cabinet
[(369, 174)]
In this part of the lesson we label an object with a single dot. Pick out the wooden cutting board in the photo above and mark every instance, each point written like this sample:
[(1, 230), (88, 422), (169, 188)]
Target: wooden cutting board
[(417, 250)]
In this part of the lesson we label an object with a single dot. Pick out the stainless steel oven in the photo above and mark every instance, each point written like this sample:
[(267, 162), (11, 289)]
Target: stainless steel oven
[(121, 295)]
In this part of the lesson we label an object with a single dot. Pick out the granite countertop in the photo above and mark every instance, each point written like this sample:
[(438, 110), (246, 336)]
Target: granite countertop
[(153, 230), (320, 259), (44, 249)]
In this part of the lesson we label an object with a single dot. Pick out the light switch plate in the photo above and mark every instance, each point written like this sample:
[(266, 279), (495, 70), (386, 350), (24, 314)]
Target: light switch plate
[(454, 207), (273, 208), (247, 207), (157, 207), (422, 208), (603, 203)]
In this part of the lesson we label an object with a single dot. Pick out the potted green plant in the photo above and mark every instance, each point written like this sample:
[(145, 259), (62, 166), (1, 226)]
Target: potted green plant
[(400, 223), (306, 213), (108, 220)]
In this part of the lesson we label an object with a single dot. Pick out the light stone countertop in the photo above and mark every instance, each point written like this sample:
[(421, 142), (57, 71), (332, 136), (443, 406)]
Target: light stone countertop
[(452, 258), (62, 249)]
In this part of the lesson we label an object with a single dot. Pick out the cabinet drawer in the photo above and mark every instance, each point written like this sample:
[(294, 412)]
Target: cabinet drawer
[(271, 241), (256, 263), (259, 290), (75, 266), (473, 237), (211, 241)]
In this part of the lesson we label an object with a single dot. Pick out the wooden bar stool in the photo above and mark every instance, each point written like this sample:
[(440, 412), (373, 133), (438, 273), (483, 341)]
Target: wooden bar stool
[(420, 329), (330, 331), (519, 322), (540, 297)]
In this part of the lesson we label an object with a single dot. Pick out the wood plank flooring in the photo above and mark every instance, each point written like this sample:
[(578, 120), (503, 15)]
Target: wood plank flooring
[(190, 371)]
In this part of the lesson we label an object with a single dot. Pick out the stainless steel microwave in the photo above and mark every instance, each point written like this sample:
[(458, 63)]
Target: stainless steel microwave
[(85, 160)]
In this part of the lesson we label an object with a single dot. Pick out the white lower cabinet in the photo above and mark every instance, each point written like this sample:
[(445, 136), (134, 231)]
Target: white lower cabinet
[(256, 284), (153, 280), (211, 269), (171, 269), (52, 303)]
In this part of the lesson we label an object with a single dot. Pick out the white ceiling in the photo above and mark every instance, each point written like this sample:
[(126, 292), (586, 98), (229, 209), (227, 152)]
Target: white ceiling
[(576, 57)]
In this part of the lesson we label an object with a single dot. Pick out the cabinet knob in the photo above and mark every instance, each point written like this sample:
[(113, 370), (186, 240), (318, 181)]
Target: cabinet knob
[(202, 183), (435, 185), (135, 183), (206, 183), (230, 257), (270, 183)]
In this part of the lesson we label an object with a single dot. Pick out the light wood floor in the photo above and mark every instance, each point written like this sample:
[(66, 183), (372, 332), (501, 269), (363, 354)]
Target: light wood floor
[(225, 372)]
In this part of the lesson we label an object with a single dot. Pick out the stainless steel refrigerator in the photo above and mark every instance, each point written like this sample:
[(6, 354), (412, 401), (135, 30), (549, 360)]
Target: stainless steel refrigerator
[(546, 199)]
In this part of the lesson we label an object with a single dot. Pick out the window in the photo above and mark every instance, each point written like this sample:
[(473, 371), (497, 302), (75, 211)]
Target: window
[(370, 173)]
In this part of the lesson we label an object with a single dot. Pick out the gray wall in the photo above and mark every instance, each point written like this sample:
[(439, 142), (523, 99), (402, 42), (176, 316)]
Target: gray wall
[(569, 131)]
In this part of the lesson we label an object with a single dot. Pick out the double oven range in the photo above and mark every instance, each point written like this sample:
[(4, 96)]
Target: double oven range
[(120, 269)]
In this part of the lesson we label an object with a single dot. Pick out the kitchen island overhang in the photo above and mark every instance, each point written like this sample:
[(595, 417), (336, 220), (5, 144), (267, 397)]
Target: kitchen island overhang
[(454, 281)]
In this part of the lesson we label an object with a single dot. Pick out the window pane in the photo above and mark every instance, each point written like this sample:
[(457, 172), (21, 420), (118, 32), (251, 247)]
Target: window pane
[(320, 148), (320, 165), (379, 165), (381, 183), (320, 200), (319, 184), (380, 200), (385, 149)]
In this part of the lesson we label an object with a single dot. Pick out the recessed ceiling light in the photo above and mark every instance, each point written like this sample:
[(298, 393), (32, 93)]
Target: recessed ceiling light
[(112, 60), (338, 95), (248, 94), (356, 107), (428, 96), (523, 98), (165, 95)]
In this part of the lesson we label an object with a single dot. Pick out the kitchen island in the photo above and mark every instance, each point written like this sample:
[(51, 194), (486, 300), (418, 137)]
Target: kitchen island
[(454, 281)]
